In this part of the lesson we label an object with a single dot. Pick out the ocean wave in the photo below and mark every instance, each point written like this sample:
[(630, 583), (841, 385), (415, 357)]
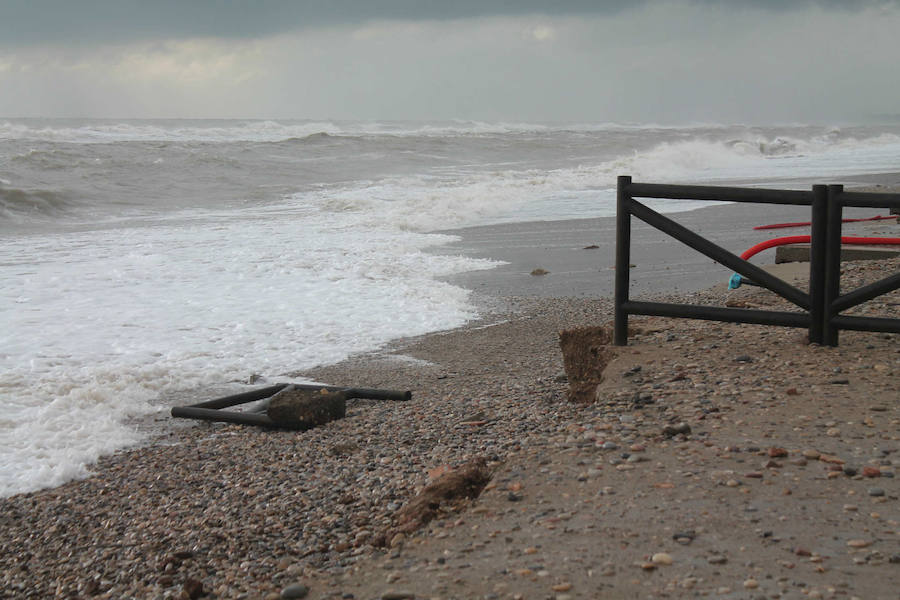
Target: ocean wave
[(319, 138), (101, 131), (87, 131), (57, 158), (202, 130), (755, 157), (462, 197), (17, 203)]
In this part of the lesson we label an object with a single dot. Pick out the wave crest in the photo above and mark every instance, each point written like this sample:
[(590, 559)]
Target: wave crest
[(17, 203)]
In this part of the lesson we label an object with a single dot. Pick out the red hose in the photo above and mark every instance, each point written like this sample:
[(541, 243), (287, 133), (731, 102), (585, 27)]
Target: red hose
[(805, 239), (804, 224)]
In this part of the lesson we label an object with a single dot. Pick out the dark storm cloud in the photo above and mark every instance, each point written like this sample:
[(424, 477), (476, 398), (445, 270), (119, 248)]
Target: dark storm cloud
[(29, 22), (43, 21)]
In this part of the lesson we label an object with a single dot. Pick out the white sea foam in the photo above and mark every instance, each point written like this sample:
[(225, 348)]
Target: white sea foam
[(704, 160), (106, 321)]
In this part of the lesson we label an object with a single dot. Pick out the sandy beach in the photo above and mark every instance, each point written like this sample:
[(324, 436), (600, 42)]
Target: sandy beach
[(727, 461)]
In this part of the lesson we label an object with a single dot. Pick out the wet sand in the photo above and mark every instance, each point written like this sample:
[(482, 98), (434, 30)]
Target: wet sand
[(575, 268)]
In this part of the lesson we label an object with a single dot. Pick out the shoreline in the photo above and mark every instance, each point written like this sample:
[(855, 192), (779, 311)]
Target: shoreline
[(248, 512), (579, 254), (663, 266)]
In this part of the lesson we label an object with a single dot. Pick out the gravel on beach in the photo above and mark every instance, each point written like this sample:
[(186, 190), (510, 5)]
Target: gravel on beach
[(732, 461)]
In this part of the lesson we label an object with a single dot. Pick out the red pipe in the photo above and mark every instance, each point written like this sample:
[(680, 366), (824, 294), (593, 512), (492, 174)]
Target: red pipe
[(804, 224), (805, 239), (736, 280)]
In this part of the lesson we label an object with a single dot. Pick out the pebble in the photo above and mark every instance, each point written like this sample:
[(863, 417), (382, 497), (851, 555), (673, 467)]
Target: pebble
[(193, 588), (673, 430), (859, 543), (661, 558), (397, 595), (295, 590), (717, 559), (684, 537), (876, 492), (751, 584)]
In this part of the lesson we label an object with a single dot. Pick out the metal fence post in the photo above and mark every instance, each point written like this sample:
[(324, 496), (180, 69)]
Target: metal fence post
[(623, 259), (817, 252), (832, 286)]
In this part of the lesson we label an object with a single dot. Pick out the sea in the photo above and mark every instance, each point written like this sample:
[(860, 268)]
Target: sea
[(146, 260)]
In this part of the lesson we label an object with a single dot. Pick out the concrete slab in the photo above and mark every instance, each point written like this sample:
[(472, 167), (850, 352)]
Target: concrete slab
[(800, 253)]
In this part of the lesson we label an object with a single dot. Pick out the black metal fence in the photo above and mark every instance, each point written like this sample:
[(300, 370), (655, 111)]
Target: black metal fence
[(820, 306)]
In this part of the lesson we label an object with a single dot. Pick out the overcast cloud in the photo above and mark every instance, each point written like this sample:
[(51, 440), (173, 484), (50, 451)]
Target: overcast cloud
[(673, 61)]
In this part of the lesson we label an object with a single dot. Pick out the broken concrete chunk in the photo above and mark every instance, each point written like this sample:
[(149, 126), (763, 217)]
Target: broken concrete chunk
[(298, 408)]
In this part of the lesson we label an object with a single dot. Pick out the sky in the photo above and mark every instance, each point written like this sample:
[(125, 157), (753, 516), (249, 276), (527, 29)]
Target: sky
[(672, 61)]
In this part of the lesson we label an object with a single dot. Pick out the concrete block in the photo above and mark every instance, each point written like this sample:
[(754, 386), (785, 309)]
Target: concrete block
[(800, 253)]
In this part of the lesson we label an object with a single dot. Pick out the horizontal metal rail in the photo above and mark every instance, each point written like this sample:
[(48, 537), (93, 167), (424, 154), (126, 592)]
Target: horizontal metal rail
[(872, 324), (868, 199), (242, 398), (224, 416), (720, 194), (717, 313)]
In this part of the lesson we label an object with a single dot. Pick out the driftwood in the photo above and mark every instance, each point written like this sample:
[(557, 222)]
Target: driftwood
[(302, 408), (586, 352)]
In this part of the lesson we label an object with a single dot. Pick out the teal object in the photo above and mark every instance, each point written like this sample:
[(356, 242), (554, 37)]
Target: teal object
[(735, 282)]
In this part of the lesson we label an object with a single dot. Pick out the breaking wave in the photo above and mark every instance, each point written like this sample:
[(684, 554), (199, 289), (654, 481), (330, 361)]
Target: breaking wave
[(16, 204)]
